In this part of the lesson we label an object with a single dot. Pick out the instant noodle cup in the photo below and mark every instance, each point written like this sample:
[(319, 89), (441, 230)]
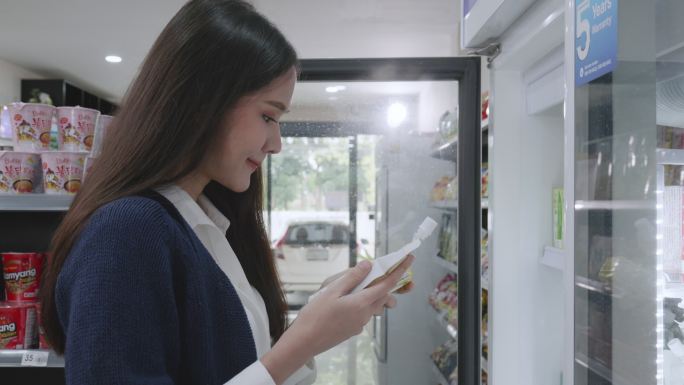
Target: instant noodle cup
[(17, 326), (21, 272), (31, 123), (100, 130), (63, 171), (76, 128), (20, 172)]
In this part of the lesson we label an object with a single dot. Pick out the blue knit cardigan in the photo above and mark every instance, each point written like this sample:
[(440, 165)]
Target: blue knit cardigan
[(141, 301)]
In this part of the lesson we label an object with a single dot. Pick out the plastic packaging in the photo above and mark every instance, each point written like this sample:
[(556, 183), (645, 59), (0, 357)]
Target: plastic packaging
[(385, 265)]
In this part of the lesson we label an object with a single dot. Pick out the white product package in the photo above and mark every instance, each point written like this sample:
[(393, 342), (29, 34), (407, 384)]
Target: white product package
[(385, 265)]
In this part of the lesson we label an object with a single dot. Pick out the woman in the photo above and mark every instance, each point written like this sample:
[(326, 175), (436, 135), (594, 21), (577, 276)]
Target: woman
[(161, 271)]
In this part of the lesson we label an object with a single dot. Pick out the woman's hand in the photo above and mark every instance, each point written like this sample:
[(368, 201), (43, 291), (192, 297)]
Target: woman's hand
[(332, 317), (391, 300)]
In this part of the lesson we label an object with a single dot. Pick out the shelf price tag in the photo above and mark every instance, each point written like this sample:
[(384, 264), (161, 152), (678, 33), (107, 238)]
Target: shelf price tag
[(35, 358)]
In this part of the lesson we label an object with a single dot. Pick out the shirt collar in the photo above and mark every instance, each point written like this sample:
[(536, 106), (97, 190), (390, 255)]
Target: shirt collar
[(196, 213), (213, 213)]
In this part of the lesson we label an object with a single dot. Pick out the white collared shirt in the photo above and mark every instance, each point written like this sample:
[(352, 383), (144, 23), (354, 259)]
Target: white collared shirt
[(210, 226)]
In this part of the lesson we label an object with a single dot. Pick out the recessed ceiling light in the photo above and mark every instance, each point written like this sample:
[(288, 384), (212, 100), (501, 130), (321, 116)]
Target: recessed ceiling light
[(113, 59), (396, 114)]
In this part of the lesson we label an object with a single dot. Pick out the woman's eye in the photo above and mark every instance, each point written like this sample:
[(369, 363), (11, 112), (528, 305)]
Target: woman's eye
[(268, 119)]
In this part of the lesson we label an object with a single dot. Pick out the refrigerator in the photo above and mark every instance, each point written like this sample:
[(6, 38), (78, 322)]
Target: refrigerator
[(628, 117), (586, 96)]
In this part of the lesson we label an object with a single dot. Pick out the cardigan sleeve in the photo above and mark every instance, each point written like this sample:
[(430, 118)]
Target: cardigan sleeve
[(115, 300)]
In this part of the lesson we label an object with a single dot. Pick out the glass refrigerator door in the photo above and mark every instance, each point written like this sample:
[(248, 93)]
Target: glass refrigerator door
[(629, 159)]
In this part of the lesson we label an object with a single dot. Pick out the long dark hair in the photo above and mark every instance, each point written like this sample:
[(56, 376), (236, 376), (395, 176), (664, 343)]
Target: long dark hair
[(211, 54)]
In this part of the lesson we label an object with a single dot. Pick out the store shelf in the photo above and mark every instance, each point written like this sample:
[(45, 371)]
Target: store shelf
[(6, 142), (670, 156), (615, 205), (483, 364), (484, 282), (554, 258), (485, 203), (445, 205), (13, 358), (485, 125), (450, 329), (35, 202), (446, 151), (438, 374), (446, 264)]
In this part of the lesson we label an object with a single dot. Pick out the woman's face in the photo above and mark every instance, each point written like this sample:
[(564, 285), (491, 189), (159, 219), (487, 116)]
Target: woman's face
[(249, 133)]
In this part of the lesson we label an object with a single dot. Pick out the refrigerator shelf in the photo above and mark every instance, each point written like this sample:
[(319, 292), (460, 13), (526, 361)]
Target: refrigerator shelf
[(599, 368), (581, 205), (446, 151), (674, 290), (595, 286), (35, 202), (483, 364), (445, 264), (670, 156), (450, 329), (13, 358), (554, 258), (485, 125), (445, 205), (453, 205)]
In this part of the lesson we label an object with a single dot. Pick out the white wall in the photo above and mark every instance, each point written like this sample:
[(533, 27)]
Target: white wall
[(10, 81)]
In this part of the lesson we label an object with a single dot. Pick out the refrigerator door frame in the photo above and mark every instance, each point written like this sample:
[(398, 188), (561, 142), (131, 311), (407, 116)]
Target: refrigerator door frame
[(466, 71)]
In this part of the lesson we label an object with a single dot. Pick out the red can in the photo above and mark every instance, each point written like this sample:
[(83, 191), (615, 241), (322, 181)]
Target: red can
[(17, 326), (21, 272)]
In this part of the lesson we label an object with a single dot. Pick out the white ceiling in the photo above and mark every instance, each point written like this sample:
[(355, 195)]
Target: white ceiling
[(70, 38)]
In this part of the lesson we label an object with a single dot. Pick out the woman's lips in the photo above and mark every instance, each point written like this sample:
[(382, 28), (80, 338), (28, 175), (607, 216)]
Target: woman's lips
[(253, 164)]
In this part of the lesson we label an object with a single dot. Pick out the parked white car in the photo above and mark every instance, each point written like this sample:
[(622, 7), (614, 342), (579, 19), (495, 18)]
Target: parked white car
[(310, 252)]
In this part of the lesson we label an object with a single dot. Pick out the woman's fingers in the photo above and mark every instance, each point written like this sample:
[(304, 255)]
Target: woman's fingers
[(352, 278), (391, 302), (382, 288)]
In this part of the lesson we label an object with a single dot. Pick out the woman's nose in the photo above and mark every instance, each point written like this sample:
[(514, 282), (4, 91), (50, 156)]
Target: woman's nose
[(273, 143)]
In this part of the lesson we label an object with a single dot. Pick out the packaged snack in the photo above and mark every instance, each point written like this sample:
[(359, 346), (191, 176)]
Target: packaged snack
[(19, 172), (21, 273), (385, 265), (558, 218), (446, 188), (31, 126), (76, 128), (63, 171), (17, 326)]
